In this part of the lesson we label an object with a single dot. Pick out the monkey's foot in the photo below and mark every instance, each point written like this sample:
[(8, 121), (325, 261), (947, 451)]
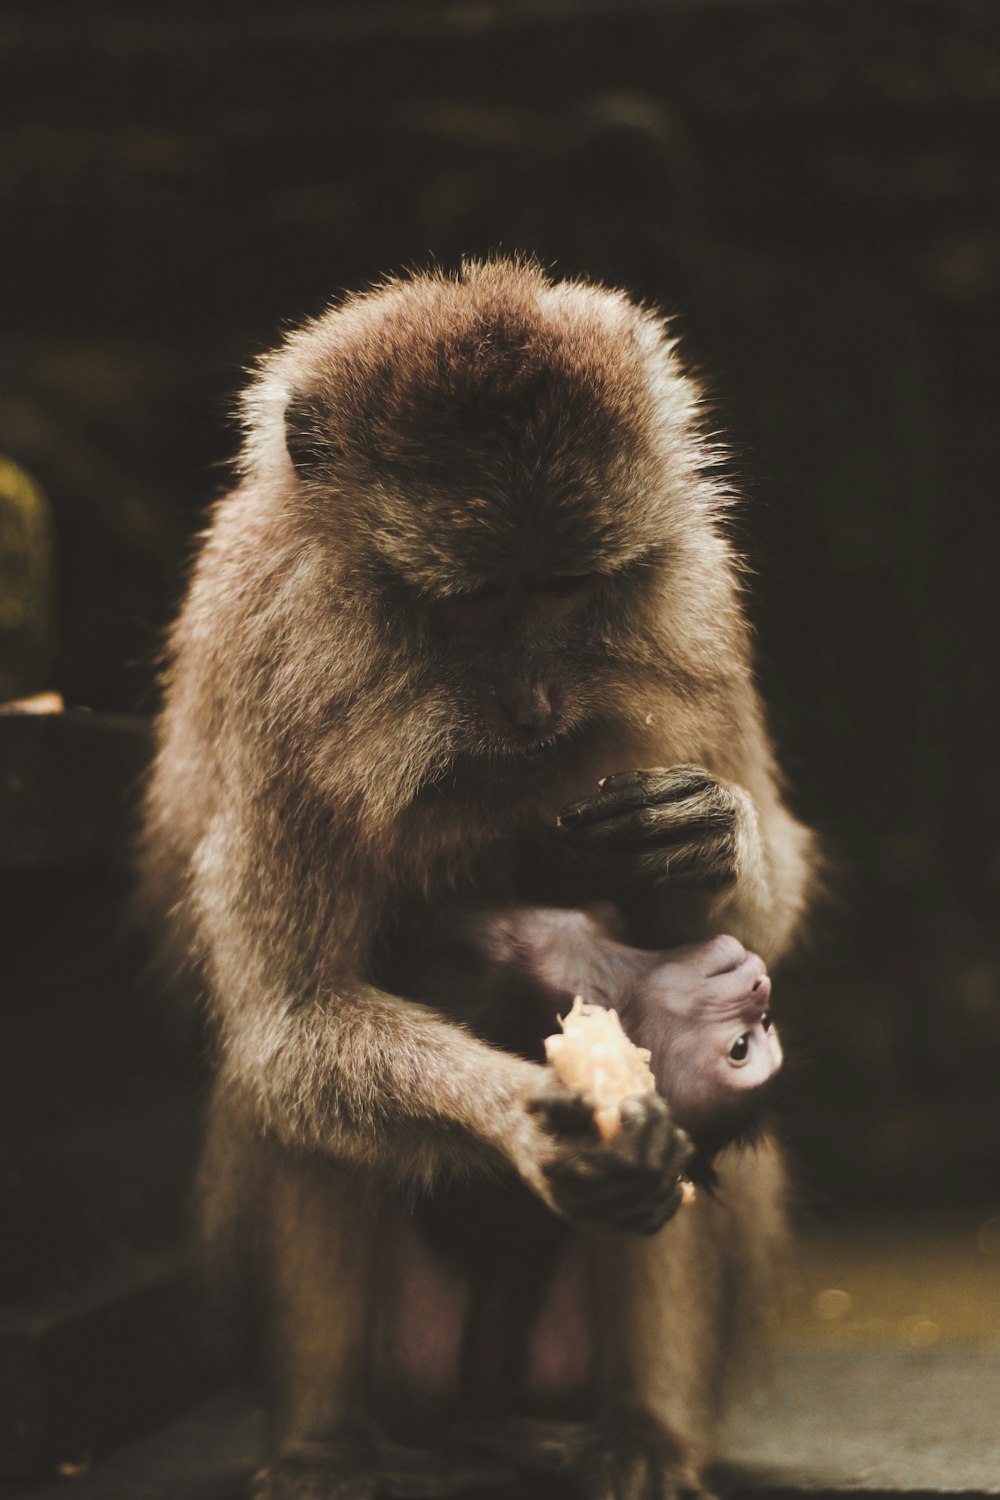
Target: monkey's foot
[(339, 1470), (366, 1466), (624, 1455)]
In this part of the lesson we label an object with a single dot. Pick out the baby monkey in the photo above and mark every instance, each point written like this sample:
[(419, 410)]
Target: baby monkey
[(492, 1304), (701, 1010)]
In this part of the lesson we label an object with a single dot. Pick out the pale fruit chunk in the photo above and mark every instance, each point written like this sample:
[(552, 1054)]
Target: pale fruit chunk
[(593, 1056)]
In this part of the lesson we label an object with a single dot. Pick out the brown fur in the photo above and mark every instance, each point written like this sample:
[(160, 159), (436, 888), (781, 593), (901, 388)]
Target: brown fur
[(304, 800)]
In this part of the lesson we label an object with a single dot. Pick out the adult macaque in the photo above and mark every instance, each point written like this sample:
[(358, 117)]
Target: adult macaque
[(703, 1011), (474, 565)]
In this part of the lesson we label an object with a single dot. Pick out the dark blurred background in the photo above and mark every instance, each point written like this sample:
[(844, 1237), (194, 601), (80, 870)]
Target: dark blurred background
[(810, 187)]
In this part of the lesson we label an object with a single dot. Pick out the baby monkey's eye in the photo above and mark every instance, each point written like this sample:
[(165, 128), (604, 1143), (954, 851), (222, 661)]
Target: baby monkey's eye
[(740, 1050)]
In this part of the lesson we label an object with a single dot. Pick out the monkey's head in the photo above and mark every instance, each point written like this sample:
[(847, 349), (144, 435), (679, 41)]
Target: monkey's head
[(502, 480), (722, 1059)]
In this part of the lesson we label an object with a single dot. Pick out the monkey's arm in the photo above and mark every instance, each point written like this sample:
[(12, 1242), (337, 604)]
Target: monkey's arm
[(386, 1082), (367, 1076), (324, 1060)]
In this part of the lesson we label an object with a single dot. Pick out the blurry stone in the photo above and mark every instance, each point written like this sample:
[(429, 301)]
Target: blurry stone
[(38, 703), (26, 583)]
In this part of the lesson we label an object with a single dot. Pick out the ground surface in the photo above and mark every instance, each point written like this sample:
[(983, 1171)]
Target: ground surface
[(886, 1380)]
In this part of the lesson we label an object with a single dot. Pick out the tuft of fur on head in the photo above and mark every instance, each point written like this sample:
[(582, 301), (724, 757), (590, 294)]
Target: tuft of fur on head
[(440, 421)]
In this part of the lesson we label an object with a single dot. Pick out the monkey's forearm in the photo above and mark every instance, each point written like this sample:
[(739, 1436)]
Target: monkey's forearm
[(373, 1078), (384, 1082)]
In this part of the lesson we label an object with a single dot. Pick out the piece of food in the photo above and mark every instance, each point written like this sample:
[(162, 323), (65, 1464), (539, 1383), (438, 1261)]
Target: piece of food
[(593, 1056)]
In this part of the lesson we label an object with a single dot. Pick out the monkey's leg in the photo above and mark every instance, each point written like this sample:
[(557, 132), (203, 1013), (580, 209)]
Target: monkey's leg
[(314, 1274), (674, 1316), (622, 1454), (421, 1308), (686, 1311), (562, 1351), (365, 1337), (584, 1425)]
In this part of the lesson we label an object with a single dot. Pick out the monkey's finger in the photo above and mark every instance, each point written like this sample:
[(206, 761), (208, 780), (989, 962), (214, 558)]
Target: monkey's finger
[(646, 1128), (649, 1217), (658, 1145), (601, 1174), (635, 1168), (609, 1200), (599, 1178), (660, 782), (635, 789), (706, 865), (697, 818), (564, 1113), (636, 1202)]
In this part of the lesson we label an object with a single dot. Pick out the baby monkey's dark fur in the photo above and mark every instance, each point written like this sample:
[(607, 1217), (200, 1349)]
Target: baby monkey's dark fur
[(474, 564)]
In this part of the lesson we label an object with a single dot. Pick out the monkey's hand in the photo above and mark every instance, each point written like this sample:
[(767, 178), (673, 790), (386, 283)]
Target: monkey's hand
[(679, 825), (630, 1183)]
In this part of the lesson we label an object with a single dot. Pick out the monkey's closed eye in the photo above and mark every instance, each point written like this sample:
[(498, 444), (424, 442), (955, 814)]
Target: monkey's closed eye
[(477, 610), (740, 1050), (563, 585)]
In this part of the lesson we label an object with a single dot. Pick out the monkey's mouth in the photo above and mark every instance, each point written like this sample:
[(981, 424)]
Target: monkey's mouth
[(517, 763)]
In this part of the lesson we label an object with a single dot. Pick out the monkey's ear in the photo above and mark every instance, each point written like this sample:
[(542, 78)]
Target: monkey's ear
[(307, 435)]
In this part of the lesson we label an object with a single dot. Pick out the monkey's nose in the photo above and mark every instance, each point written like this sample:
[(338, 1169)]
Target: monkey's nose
[(760, 995), (529, 708)]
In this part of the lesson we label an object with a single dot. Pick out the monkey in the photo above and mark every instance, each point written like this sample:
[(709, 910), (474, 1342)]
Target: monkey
[(469, 628), (511, 973)]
